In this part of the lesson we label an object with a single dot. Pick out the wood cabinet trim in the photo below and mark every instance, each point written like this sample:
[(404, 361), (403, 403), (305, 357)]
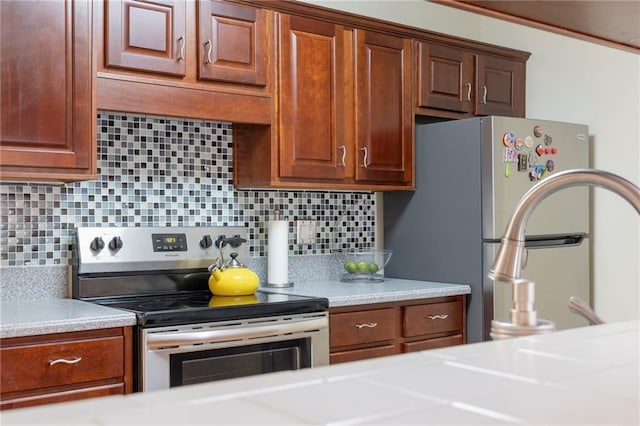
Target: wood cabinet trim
[(368, 23)]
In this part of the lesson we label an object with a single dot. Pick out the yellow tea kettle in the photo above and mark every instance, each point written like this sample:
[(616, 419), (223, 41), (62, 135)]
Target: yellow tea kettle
[(232, 279)]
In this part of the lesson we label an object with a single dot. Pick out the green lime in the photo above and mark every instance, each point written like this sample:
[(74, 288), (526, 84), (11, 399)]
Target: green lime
[(373, 267), (350, 266), (363, 267)]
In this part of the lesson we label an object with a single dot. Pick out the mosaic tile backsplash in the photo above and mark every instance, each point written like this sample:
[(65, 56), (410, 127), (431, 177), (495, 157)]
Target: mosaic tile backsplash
[(159, 171)]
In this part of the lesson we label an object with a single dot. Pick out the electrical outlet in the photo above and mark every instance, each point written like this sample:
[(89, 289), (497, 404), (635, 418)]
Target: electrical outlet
[(306, 231)]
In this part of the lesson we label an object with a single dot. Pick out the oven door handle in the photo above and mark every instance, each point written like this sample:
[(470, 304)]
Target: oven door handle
[(163, 340)]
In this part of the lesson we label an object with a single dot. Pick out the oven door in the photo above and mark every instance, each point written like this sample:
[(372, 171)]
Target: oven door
[(198, 353)]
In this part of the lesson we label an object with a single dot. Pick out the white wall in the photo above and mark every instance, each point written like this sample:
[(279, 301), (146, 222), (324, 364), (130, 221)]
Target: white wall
[(567, 80)]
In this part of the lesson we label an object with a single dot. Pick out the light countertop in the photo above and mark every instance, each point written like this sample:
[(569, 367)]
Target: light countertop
[(587, 375), (390, 290), (45, 316)]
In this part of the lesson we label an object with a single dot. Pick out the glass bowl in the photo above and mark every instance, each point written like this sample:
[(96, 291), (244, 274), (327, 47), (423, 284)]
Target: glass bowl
[(363, 266)]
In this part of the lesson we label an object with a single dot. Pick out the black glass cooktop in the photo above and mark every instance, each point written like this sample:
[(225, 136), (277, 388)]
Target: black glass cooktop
[(198, 307)]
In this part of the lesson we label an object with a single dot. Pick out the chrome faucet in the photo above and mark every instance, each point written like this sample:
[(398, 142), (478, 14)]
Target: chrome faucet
[(511, 255)]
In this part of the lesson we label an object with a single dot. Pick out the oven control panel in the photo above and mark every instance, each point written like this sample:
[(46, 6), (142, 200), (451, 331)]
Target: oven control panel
[(119, 249), (169, 242)]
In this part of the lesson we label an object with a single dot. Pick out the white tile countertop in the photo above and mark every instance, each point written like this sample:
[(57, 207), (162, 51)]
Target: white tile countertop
[(45, 316), (587, 375), (390, 290)]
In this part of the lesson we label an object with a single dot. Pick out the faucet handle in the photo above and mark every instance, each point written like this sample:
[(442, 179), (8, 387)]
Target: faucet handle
[(580, 307)]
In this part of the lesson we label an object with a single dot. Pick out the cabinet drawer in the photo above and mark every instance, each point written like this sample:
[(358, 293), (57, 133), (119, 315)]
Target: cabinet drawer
[(52, 364), (438, 342), (354, 328), (432, 318), (358, 354), (29, 399)]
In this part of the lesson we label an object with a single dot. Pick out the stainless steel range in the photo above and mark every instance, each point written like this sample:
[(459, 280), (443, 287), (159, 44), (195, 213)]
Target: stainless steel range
[(184, 335)]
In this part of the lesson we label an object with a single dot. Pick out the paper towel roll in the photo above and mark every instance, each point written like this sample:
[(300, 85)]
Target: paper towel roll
[(278, 253)]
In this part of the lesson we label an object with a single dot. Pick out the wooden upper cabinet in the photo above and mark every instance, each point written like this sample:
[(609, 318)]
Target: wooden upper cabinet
[(385, 114), (445, 77), (313, 91), (232, 43), (146, 36), (460, 81), (48, 114), (501, 86)]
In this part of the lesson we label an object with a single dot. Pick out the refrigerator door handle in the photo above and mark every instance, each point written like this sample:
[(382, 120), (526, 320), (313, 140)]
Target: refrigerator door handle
[(558, 241), (548, 241)]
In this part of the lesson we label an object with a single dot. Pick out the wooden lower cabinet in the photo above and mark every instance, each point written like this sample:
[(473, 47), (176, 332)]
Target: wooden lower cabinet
[(370, 331), (60, 367)]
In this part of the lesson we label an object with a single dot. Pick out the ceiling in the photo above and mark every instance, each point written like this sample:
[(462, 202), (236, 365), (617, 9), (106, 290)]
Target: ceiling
[(614, 23)]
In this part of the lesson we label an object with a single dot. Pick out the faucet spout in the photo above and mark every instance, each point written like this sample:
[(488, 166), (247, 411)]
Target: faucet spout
[(511, 254), (510, 257)]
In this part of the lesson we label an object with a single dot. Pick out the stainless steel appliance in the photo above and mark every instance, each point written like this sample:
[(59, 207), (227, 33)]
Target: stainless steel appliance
[(470, 174), (184, 334)]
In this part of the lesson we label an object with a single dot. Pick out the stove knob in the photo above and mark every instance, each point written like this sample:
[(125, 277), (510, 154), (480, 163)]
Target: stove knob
[(97, 244), (115, 244), (206, 242)]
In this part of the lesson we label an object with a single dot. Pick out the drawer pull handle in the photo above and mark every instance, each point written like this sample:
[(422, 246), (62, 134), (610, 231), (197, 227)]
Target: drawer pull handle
[(66, 361), (367, 324), (181, 41), (468, 86), (365, 159), (442, 317), (344, 155), (208, 60)]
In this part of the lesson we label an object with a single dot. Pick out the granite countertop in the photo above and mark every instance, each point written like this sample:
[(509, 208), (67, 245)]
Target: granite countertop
[(45, 316), (391, 290), (587, 375)]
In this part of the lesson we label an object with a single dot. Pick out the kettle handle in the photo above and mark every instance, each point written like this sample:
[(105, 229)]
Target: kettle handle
[(215, 265)]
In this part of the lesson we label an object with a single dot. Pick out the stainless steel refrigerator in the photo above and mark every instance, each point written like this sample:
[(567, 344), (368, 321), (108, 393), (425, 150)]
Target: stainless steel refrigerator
[(470, 174)]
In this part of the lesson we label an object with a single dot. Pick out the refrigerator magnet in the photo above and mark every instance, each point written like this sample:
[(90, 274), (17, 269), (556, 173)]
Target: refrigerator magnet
[(528, 141), (539, 150), (523, 162), (519, 144), (508, 139), (538, 131), (550, 165), (548, 140)]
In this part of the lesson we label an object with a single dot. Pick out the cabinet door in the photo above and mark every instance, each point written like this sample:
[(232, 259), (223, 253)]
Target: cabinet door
[(232, 45), (146, 36), (385, 118), (313, 89), (500, 86), (445, 77), (47, 128)]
